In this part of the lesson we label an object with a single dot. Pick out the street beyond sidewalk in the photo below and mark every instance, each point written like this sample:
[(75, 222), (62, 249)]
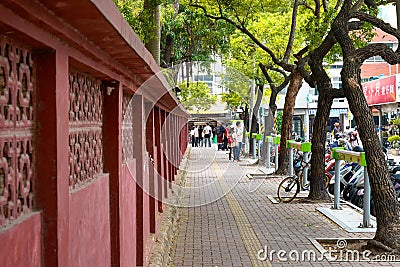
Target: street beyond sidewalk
[(228, 220)]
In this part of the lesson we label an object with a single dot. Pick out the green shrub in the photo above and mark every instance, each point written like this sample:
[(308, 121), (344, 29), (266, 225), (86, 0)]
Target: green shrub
[(394, 138)]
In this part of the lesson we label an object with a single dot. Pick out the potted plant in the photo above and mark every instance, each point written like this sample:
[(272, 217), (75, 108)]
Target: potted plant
[(395, 141)]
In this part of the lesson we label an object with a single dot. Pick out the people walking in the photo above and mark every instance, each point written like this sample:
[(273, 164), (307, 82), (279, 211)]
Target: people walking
[(200, 130), (207, 135), (192, 137), (220, 132), (239, 137), (196, 136), (225, 138), (232, 143), (336, 130)]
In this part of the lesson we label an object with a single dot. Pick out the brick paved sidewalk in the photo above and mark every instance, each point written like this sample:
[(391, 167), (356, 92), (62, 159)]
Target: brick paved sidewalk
[(228, 219)]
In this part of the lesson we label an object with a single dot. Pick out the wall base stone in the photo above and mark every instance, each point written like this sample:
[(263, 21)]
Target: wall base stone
[(161, 253)]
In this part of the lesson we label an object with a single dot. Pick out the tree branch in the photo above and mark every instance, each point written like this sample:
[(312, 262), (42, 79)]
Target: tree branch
[(378, 23), (243, 29), (325, 5), (304, 3), (289, 46), (338, 3), (357, 5), (336, 93), (277, 89), (301, 68), (340, 28), (382, 50), (355, 25)]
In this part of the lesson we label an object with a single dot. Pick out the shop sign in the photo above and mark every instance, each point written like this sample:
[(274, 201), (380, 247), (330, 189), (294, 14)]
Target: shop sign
[(335, 112), (380, 91)]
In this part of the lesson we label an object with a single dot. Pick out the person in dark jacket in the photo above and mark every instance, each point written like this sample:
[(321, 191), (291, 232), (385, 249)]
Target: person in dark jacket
[(200, 142)]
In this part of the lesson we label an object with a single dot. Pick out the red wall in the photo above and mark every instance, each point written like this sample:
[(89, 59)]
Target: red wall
[(87, 218), (21, 244), (128, 215), (89, 225)]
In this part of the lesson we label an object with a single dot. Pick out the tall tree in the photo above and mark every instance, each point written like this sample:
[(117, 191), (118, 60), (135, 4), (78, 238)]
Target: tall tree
[(237, 85), (174, 32), (144, 18), (387, 206), (239, 14), (152, 14), (319, 51), (275, 89)]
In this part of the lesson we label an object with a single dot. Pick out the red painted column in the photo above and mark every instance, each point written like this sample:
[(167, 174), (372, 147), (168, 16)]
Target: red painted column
[(142, 199), (150, 146), (169, 151), (160, 158), (112, 132), (183, 136), (181, 128), (175, 142), (186, 135), (164, 146), (52, 153)]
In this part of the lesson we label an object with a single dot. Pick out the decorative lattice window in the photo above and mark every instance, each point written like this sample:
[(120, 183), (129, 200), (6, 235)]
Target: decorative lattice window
[(16, 131), (85, 129), (127, 127)]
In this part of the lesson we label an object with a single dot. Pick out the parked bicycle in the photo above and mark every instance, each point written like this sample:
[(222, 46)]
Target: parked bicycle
[(290, 186)]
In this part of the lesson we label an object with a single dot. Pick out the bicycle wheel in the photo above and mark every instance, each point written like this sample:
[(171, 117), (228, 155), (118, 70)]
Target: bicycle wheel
[(288, 189)]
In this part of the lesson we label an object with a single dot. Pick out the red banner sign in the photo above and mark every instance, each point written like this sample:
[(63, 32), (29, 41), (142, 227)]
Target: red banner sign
[(380, 91)]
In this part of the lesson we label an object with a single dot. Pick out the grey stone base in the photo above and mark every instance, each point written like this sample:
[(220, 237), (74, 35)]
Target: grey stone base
[(161, 253)]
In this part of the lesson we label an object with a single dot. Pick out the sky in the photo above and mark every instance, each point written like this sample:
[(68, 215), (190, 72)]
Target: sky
[(388, 14)]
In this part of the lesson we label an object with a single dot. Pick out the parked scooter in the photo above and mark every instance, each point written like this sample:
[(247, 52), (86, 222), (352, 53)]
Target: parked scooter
[(346, 172), (356, 193), (354, 183)]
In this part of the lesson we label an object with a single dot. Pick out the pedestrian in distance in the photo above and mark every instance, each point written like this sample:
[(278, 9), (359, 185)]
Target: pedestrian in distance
[(220, 131), (391, 129), (239, 137), (196, 136), (232, 143), (225, 138), (207, 131), (200, 130), (192, 137), (336, 129)]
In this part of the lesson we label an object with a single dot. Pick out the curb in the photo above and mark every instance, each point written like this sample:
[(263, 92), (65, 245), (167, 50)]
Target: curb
[(161, 253)]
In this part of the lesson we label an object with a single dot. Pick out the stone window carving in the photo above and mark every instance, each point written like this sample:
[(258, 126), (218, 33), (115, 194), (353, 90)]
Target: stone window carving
[(127, 127), (85, 129), (16, 131)]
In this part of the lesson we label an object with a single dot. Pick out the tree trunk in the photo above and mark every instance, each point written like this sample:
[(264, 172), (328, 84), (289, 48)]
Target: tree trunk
[(269, 125), (288, 110), (260, 92), (153, 44), (398, 13), (317, 177), (386, 204), (166, 62), (245, 117)]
